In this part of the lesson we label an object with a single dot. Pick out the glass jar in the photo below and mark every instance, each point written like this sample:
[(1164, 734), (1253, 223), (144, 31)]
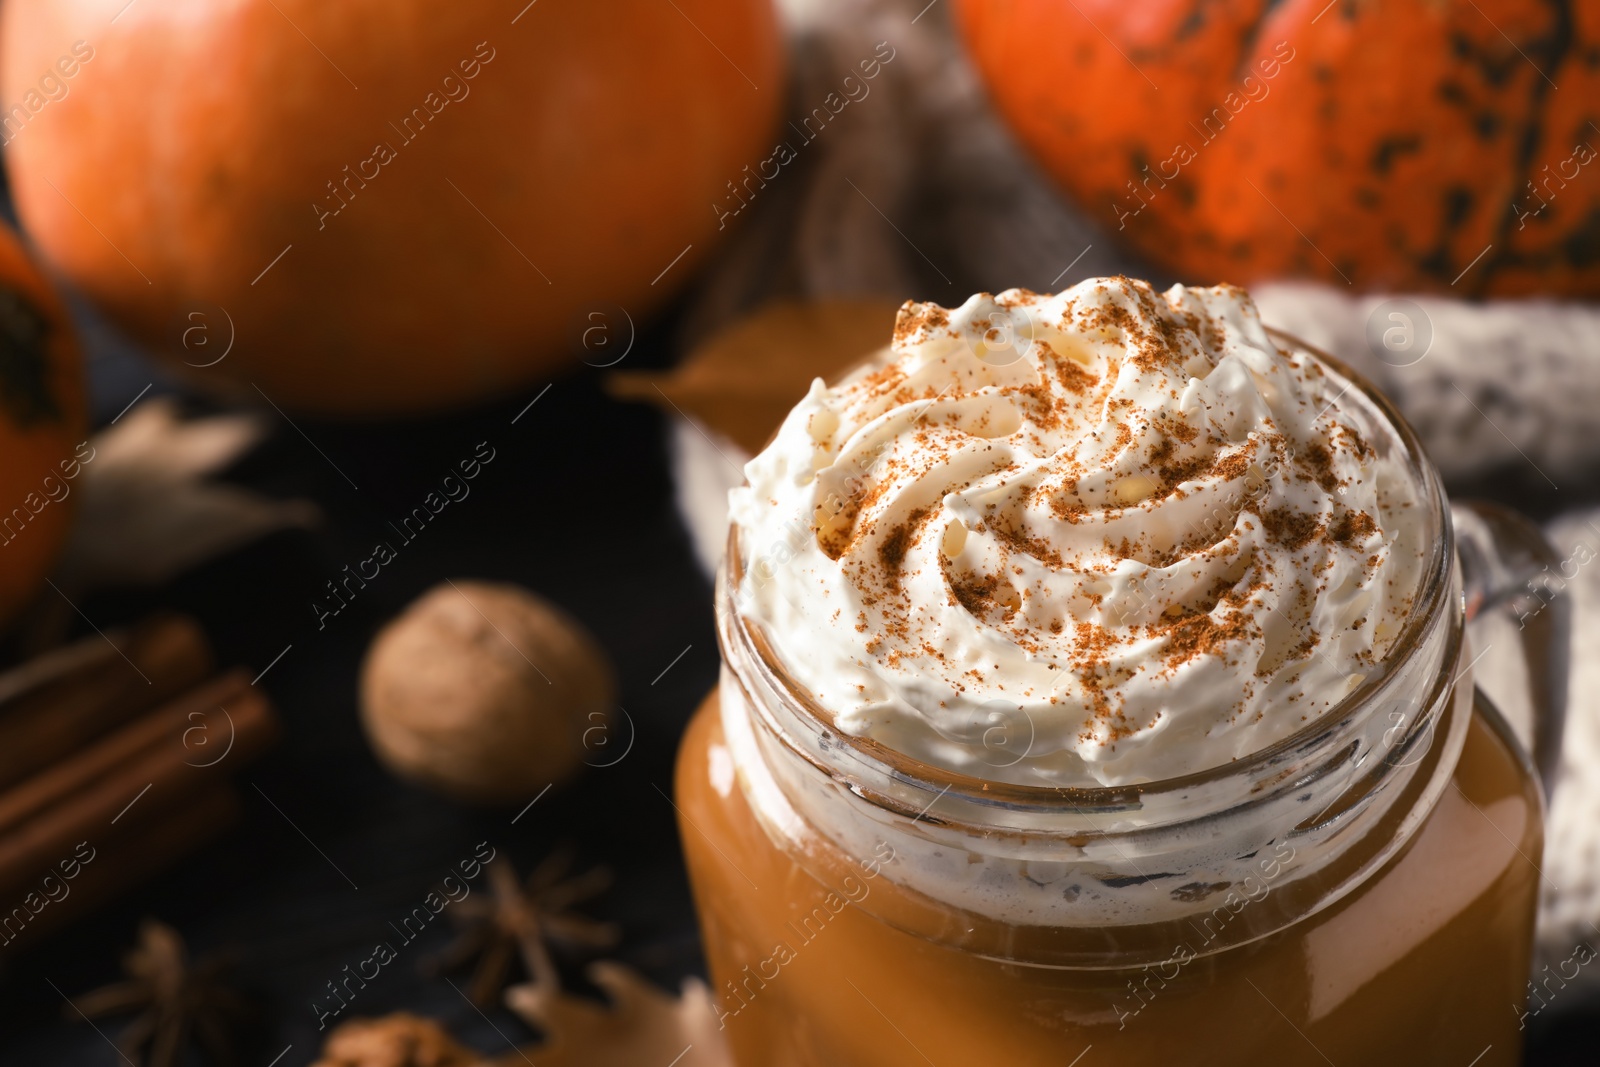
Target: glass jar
[(1361, 892)]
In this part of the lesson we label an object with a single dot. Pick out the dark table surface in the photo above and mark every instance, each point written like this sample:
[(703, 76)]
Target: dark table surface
[(578, 506)]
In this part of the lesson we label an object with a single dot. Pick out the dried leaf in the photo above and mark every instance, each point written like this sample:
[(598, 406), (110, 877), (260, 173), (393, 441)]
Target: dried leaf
[(743, 381), (641, 1025), (145, 514), (398, 1040)]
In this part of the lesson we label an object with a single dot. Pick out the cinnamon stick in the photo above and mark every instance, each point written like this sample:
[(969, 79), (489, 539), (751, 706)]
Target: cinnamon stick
[(92, 763), (146, 763), (38, 909), (57, 702)]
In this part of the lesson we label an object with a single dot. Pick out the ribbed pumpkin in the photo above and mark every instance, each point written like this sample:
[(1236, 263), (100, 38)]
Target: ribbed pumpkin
[(398, 205), (1404, 145), (43, 426)]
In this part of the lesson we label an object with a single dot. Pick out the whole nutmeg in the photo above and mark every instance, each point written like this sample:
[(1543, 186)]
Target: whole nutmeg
[(484, 692)]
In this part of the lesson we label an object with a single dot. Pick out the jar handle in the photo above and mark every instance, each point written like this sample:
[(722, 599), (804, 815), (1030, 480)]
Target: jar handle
[(1509, 569)]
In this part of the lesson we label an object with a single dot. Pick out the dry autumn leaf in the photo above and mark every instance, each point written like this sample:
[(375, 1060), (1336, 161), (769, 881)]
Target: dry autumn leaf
[(146, 512), (743, 381), (641, 1025)]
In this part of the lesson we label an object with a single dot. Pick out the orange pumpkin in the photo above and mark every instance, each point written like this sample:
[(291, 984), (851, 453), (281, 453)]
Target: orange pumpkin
[(384, 205), (43, 426), (1405, 145)]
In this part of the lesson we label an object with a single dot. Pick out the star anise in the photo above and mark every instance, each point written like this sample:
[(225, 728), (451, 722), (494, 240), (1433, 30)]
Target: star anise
[(525, 919), (172, 1001)]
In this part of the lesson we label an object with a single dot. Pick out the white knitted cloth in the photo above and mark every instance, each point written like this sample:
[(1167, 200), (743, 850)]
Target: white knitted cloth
[(913, 188)]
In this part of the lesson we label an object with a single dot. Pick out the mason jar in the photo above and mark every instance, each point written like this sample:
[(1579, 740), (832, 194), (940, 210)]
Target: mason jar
[(1361, 892)]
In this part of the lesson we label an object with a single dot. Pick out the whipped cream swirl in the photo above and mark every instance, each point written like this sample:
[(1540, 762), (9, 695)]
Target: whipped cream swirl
[(1102, 537)]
